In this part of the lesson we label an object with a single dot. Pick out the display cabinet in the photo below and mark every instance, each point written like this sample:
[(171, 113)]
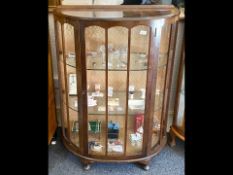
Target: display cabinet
[(115, 65)]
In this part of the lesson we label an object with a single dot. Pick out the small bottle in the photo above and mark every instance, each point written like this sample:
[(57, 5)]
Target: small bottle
[(131, 91)]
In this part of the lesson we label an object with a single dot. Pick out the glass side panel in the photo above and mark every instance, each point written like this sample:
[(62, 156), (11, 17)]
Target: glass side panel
[(165, 37), (69, 45), (156, 126), (74, 135), (181, 105), (62, 79), (139, 47), (96, 89), (160, 83), (71, 101), (71, 78), (117, 85)]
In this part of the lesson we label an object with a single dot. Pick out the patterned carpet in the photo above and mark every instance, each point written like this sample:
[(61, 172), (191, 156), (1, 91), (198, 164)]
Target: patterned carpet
[(170, 161)]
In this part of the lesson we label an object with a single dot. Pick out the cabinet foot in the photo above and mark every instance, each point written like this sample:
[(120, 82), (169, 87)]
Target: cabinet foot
[(54, 139), (171, 139), (86, 164), (146, 167), (145, 164), (87, 167)]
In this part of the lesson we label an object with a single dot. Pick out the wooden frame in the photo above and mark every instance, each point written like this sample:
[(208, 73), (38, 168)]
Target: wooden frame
[(176, 131), (135, 16)]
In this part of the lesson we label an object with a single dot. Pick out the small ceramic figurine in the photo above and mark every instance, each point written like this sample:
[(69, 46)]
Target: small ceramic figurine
[(131, 91)]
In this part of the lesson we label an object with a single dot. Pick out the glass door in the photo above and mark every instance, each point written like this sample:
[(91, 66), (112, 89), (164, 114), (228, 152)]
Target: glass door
[(116, 72), (96, 89), (117, 93), (136, 95)]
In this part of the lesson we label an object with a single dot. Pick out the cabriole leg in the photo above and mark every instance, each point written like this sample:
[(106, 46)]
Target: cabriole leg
[(86, 164)]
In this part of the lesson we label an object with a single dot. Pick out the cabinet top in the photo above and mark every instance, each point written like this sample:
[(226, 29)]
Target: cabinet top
[(117, 12)]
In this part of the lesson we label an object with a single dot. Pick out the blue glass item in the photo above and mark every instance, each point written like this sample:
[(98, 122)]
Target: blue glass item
[(113, 130)]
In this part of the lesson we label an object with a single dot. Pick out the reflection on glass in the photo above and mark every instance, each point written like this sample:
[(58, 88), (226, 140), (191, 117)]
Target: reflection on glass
[(137, 89), (160, 83), (116, 111), (165, 37), (156, 127), (95, 47), (136, 111), (96, 89), (181, 105), (139, 47), (70, 68), (117, 48), (69, 45), (74, 125), (117, 82), (62, 80)]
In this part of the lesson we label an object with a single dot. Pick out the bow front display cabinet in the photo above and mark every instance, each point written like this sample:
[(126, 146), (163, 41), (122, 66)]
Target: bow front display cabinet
[(115, 65)]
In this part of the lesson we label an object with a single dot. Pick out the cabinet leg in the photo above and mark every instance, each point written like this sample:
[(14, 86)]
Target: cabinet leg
[(86, 164), (87, 167), (145, 164), (171, 139), (54, 138), (146, 167)]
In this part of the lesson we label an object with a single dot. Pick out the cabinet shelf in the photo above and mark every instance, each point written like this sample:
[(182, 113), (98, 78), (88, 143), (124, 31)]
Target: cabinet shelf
[(117, 69), (71, 62), (117, 110), (73, 65)]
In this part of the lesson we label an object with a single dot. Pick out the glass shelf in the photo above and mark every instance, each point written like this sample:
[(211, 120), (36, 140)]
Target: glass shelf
[(138, 61), (135, 105), (71, 62), (73, 103), (117, 69)]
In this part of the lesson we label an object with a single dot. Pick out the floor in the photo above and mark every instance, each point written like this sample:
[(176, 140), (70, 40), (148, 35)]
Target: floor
[(170, 161)]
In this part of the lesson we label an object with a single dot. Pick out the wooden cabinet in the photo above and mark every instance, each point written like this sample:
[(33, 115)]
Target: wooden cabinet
[(115, 65), (52, 123)]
